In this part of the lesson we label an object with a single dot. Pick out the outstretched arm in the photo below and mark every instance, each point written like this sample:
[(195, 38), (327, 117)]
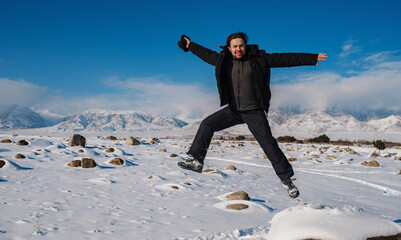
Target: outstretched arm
[(203, 53), (321, 57)]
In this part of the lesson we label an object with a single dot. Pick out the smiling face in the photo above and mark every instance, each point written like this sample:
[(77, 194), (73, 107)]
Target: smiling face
[(237, 48)]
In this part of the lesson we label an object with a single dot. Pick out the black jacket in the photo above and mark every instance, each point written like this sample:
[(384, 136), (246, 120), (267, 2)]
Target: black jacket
[(260, 61)]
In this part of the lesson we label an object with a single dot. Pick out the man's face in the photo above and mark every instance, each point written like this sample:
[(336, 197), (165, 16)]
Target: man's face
[(237, 48)]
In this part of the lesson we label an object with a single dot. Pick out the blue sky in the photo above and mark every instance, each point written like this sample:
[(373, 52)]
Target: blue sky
[(68, 56)]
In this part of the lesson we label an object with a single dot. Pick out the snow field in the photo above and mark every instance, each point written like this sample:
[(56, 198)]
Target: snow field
[(150, 197)]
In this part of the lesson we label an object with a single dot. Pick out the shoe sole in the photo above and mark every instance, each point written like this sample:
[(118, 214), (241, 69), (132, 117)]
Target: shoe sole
[(183, 165)]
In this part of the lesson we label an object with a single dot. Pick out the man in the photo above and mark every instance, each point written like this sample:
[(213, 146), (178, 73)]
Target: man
[(243, 79)]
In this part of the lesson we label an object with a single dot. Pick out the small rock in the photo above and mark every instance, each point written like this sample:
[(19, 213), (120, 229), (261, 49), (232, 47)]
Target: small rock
[(109, 150), (117, 161), (264, 156), (215, 143), (19, 156), (80, 150), (375, 154), (150, 177), (75, 163), (231, 167), (175, 187), (6, 141), (330, 157), (111, 138), (2, 163), (372, 163), (163, 150), (208, 170), (88, 163), (22, 143), (173, 155), (237, 206), (77, 140), (132, 141), (315, 156), (352, 152), (154, 141), (399, 173), (292, 159), (387, 155), (189, 184), (240, 195), (15, 135)]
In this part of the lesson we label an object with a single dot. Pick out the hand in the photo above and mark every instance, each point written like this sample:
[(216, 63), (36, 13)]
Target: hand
[(184, 43), (321, 57), (188, 41)]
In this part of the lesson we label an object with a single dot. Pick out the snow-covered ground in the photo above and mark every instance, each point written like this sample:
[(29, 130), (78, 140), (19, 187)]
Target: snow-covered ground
[(149, 197)]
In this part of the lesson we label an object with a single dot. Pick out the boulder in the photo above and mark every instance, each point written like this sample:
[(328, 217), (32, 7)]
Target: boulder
[(2, 163), (22, 143), (110, 150), (132, 141), (237, 206), (75, 163), (77, 140), (88, 163), (117, 161), (231, 167), (6, 141), (111, 138), (19, 156), (240, 195)]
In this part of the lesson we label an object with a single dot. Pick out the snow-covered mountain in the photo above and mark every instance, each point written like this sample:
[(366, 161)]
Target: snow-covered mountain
[(282, 122), (21, 117), (320, 122), (103, 120)]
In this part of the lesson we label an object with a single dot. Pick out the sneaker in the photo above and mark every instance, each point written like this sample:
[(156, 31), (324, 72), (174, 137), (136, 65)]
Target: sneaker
[(191, 164), (290, 187)]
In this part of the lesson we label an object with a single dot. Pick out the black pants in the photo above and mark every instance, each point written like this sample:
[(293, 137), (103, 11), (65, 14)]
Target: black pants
[(259, 127)]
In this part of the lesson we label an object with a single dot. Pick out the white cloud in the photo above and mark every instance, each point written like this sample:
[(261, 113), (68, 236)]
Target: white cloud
[(158, 94), (378, 87), (154, 95), (349, 47), (20, 92)]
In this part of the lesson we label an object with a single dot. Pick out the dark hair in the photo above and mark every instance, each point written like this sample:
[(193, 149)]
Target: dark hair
[(237, 35)]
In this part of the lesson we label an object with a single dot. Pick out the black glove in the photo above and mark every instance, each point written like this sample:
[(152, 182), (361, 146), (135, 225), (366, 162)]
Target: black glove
[(183, 43)]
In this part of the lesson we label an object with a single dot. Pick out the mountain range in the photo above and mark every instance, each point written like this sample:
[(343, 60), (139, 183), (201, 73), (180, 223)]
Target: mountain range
[(317, 122)]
